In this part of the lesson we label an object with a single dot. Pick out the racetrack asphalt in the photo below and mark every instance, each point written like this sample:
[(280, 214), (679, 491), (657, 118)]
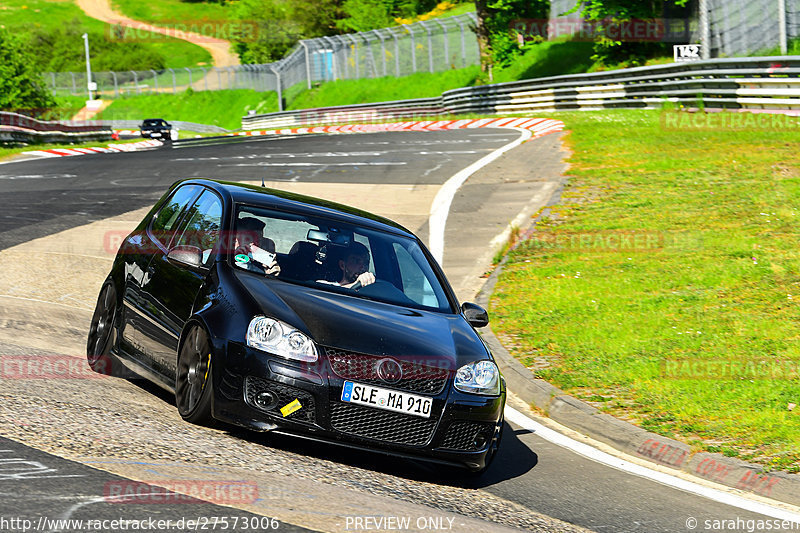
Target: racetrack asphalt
[(61, 197)]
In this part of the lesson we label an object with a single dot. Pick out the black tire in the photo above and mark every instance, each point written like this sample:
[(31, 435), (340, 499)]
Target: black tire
[(193, 388), (101, 331)]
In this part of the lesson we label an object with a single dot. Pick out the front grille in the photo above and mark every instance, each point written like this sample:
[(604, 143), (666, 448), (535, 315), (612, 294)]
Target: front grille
[(283, 395), (463, 435), (417, 377), (382, 425)]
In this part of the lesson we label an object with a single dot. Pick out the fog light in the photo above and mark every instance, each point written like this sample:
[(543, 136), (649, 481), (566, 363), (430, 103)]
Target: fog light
[(266, 400), (480, 442)]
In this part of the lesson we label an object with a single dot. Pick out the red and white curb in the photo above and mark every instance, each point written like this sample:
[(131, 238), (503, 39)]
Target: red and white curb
[(537, 126), (66, 152)]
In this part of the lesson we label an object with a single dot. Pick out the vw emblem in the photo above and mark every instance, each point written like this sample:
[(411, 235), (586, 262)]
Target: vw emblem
[(389, 370)]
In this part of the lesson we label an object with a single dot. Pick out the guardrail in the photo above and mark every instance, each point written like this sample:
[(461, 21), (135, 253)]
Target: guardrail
[(762, 83), (18, 128), (421, 107), (740, 83)]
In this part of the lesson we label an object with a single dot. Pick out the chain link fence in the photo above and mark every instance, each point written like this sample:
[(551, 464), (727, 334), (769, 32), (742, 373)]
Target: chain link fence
[(736, 27), (744, 27), (429, 46), (121, 83)]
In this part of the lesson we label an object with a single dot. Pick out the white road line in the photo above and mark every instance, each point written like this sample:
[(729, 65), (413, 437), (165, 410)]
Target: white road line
[(36, 176), (440, 207), (353, 164), (514, 416)]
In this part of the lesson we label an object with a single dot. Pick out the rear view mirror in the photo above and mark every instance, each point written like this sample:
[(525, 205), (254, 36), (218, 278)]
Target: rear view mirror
[(475, 315), (189, 257), (333, 236)]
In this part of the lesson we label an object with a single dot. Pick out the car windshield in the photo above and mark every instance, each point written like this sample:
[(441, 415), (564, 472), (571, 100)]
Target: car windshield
[(322, 253), (153, 122)]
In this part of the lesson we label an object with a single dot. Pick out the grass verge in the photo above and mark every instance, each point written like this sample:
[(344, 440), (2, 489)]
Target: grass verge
[(348, 92), (665, 288)]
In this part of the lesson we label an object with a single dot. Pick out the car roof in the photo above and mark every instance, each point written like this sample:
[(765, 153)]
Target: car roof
[(300, 203)]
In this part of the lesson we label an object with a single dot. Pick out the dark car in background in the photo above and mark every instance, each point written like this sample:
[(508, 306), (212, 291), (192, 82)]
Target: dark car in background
[(156, 128), (394, 366)]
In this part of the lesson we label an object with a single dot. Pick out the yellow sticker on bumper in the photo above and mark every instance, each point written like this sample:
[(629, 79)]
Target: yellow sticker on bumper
[(291, 407)]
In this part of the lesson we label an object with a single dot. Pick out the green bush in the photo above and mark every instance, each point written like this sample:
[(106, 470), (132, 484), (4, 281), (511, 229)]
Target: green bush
[(21, 87), (62, 50)]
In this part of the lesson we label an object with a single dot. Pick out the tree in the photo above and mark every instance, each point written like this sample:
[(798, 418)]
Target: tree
[(365, 15), (20, 86), (61, 50), (483, 34), (609, 50), (496, 40), (280, 24)]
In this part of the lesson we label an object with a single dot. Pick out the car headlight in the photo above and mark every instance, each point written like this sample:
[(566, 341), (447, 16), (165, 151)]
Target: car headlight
[(281, 339), (480, 377)]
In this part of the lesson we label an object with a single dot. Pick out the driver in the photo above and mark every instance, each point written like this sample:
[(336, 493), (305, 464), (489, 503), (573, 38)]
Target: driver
[(354, 264)]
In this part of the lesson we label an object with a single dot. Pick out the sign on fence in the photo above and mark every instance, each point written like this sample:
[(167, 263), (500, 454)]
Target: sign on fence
[(686, 52)]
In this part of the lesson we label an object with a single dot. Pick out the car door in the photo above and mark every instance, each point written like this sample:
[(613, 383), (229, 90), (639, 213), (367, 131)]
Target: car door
[(171, 289), (139, 249)]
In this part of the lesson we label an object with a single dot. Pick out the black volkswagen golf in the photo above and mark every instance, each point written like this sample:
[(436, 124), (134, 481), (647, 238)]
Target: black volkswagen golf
[(286, 313)]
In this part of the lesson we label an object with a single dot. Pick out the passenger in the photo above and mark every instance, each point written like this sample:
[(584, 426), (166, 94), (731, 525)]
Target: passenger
[(354, 264), (249, 241)]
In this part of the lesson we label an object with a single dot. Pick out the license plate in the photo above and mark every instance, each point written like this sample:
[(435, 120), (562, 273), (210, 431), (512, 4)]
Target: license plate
[(390, 400)]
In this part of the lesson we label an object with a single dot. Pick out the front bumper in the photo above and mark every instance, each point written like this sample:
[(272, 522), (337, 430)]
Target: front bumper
[(251, 387)]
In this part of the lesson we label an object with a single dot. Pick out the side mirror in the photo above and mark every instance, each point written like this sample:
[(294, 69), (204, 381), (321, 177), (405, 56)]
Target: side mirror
[(189, 257), (475, 315)]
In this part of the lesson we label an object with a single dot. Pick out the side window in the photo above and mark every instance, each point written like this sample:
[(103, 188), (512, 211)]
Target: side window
[(203, 224), (415, 285), (363, 239), (165, 222)]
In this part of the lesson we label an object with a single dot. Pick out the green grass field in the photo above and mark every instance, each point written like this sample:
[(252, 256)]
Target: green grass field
[(170, 13), (219, 108), (665, 287), (348, 92), (22, 16), (226, 108)]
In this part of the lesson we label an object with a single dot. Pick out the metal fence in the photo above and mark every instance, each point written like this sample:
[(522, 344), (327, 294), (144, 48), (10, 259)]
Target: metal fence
[(121, 83), (742, 27), (761, 84), (736, 27), (428, 46)]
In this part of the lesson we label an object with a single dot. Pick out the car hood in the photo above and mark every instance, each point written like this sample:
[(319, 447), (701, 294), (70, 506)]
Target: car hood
[(355, 324)]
